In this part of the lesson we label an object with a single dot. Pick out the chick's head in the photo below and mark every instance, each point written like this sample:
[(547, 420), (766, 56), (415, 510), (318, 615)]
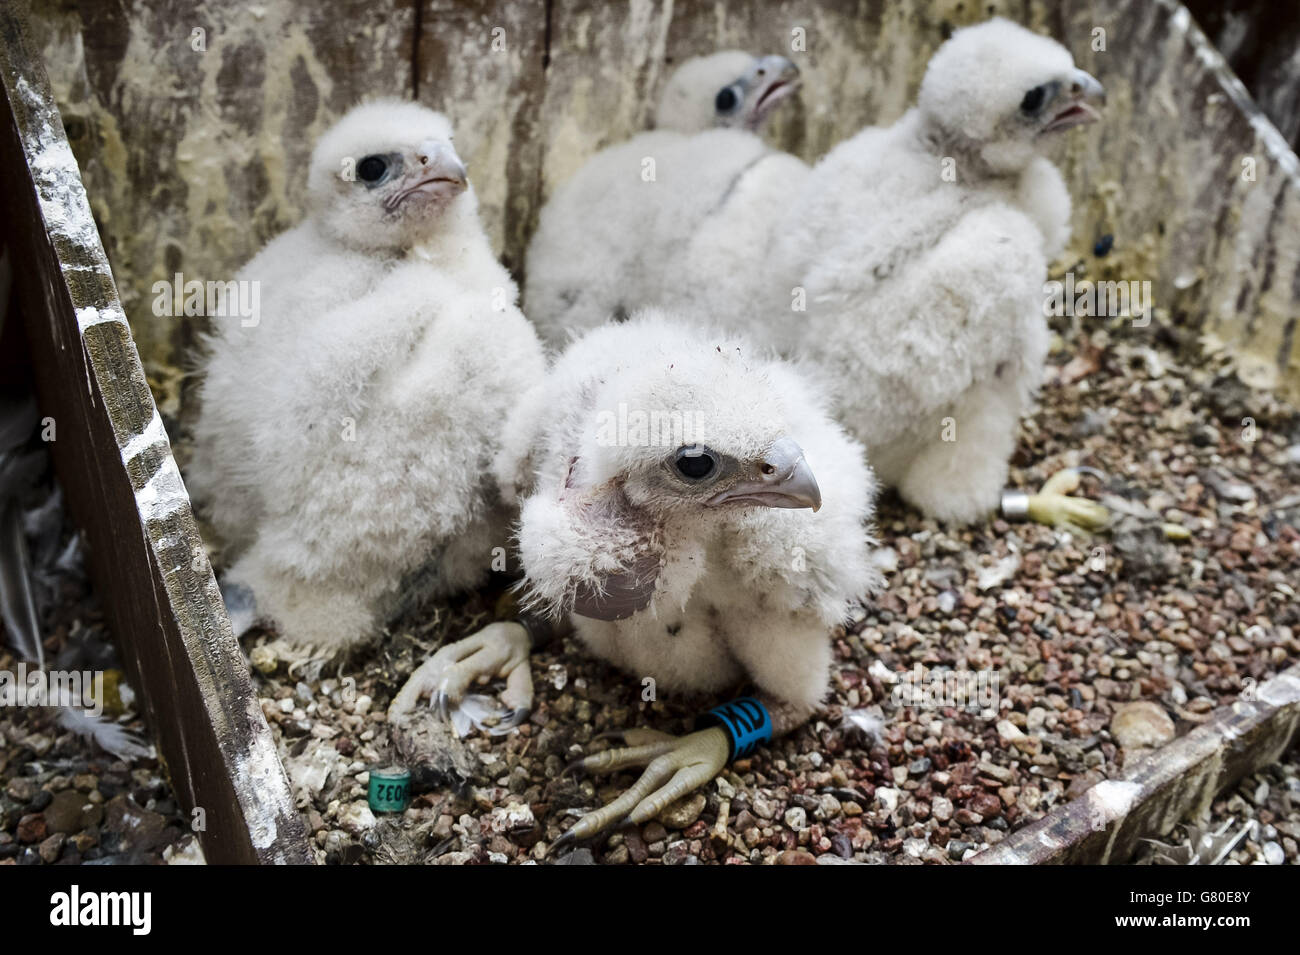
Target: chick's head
[(384, 177), (700, 434), (1003, 91)]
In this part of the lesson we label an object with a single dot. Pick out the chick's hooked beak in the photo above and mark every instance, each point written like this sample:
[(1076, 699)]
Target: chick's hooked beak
[(785, 480), (1081, 103), (776, 78), (438, 173)]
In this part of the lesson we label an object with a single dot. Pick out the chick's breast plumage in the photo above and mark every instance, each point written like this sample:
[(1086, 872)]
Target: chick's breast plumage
[(669, 510), (909, 270), (345, 441)]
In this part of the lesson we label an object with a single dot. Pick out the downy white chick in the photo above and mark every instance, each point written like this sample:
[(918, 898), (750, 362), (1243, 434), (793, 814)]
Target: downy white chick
[(920, 253), (346, 438), (618, 235), (730, 89), (692, 508)]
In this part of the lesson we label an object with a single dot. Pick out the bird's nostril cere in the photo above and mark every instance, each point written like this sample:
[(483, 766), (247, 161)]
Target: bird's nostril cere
[(423, 159), (769, 469)]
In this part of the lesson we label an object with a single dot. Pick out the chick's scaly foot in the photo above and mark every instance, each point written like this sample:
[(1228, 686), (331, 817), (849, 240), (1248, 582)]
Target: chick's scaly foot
[(499, 650), (674, 766)]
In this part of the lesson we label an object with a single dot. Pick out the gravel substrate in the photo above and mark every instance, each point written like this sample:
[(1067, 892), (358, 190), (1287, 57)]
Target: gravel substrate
[(63, 800), (1101, 648), (1075, 630)]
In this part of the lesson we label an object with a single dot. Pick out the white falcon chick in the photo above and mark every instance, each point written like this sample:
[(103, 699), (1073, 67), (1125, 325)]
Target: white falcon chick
[(692, 508), (920, 251), (730, 89), (346, 437), (617, 236)]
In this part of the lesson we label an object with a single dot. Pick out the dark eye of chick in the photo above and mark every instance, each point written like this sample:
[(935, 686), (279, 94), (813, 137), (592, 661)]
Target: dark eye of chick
[(726, 100), (1033, 100), (695, 463), (372, 168)]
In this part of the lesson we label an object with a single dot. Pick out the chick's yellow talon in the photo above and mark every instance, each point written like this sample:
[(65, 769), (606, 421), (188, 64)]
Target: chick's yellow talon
[(1062, 482), (1057, 510), (674, 767)]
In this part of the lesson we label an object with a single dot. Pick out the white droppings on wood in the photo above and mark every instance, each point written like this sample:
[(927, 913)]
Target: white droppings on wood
[(1274, 143), (1113, 798), (90, 315), (259, 780), (64, 206), (163, 494), (153, 433), (1281, 690)]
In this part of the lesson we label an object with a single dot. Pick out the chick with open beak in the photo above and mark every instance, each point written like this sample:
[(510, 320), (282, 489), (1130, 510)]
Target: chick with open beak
[(731, 89), (753, 95), (1064, 104), (690, 237)]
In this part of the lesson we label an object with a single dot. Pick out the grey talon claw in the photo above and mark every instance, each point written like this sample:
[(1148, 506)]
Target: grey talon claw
[(448, 678), (566, 839), (574, 767)]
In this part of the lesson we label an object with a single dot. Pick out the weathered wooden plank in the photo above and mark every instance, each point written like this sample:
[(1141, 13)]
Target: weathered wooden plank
[(1199, 189), (1260, 39), (1152, 796), (190, 156), (483, 64), (115, 464)]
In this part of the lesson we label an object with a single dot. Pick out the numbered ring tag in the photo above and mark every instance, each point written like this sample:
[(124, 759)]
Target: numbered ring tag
[(390, 789)]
